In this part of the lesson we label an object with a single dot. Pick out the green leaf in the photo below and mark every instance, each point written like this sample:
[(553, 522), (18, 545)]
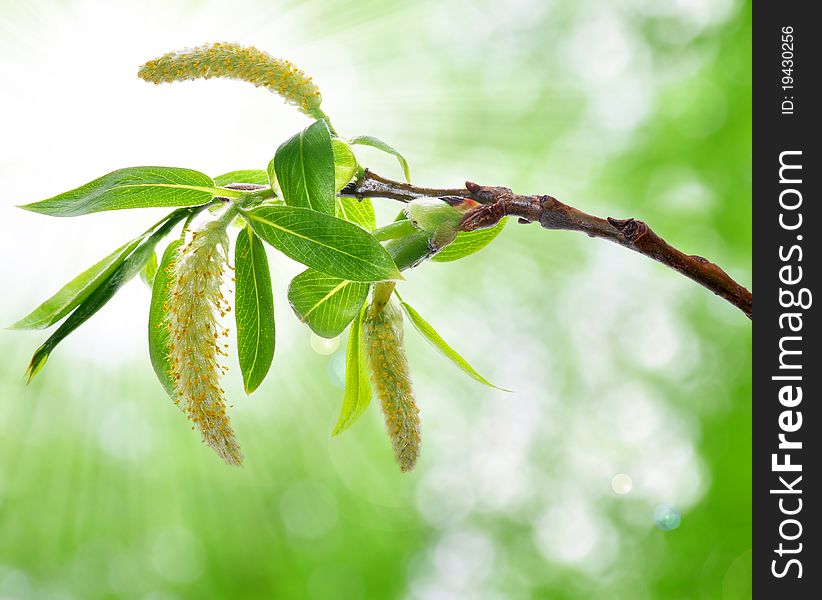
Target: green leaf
[(368, 140), (255, 176), (430, 334), (75, 291), (345, 164), (304, 165), (323, 242), (253, 309), (325, 303), (357, 386), (105, 291), (158, 338), (149, 270), (272, 178), (360, 212), (468, 242), (135, 187)]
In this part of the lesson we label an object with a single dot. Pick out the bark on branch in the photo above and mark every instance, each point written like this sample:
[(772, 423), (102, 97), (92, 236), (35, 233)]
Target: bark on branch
[(499, 202)]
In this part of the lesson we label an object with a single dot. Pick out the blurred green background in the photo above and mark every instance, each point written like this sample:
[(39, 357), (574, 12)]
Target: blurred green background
[(619, 366)]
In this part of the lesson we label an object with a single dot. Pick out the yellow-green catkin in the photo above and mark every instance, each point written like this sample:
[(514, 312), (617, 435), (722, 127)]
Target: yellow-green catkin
[(383, 339), (234, 61), (197, 340)]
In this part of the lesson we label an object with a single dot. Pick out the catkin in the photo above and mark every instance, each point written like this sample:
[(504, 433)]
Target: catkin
[(383, 338), (197, 340), (238, 62)]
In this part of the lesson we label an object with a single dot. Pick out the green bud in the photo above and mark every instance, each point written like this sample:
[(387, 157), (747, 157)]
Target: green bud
[(433, 215), (410, 250)]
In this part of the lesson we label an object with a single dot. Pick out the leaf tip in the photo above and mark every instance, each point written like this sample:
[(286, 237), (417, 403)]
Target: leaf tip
[(340, 427), (38, 361), (42, 207)]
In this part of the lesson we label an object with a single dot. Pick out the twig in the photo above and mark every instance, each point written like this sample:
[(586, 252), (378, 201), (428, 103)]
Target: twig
[(499, 202)]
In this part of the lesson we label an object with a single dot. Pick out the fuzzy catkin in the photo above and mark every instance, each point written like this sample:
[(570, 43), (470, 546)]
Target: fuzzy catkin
[(197, 340), (383, 339), (234, 61)]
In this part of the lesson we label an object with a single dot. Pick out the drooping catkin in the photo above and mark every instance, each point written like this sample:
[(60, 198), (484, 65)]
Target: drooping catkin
[(234, 61), (197, 340), (383, 338)]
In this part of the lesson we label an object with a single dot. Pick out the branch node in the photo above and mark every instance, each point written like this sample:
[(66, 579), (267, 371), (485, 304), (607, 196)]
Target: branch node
[(631, 229), (618, 223), (487, 194), (483, 217), (549, 202)]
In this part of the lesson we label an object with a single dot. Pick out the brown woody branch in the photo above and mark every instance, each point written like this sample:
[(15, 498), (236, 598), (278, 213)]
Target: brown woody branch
[(499, 202)]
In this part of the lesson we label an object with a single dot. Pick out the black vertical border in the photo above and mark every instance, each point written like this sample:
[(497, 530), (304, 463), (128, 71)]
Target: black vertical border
[(774, 133)]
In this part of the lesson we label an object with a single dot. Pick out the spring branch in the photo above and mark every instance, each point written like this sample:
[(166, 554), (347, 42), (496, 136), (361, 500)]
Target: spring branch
[(499, 202)]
